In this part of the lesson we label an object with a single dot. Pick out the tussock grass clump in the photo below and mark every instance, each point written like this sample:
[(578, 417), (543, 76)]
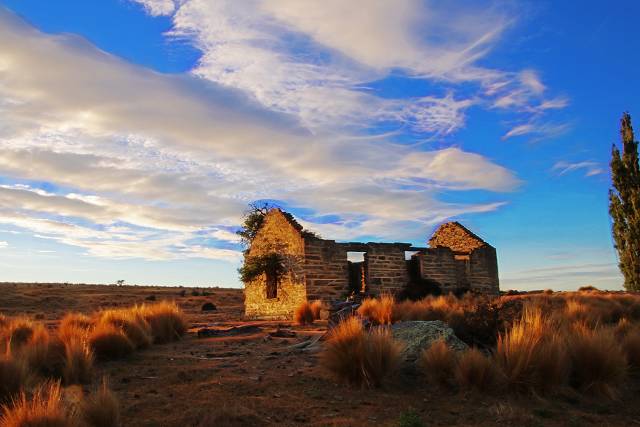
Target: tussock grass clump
[(598, 362), (439, 363), (361, 357), (379, 311), (304, 314), (17, 333), (532, 355), (476, 371), (13, 377), (36, 350), (631, 346), (101, 408), (73, 321), (45, 409), (132, 323), (316, 309), (78, 362), (109, 342), (168, 323)]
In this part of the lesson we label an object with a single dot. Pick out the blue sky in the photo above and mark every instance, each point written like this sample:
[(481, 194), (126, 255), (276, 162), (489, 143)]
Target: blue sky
[(134, 132)]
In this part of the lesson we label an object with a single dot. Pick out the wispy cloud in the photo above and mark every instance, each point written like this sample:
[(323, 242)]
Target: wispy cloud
[(310, 59), (142, 164), (590, 168), (3, 244)]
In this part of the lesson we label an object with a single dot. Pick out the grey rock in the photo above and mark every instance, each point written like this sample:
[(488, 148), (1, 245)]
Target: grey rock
[(420, 335)]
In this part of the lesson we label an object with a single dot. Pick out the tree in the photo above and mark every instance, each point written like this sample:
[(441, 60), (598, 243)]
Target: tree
[(624, 205), (252, 221)]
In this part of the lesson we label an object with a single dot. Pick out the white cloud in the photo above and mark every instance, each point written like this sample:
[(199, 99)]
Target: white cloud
[(537, 130), (590, 168), (157, 7), (3, 244), (145, 164), (312, 59)]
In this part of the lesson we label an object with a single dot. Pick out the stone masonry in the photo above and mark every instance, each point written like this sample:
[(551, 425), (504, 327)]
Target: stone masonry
[(318, 269)]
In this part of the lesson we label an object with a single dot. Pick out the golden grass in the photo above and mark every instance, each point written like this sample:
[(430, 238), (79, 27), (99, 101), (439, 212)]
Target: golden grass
[(75, 321), (17, 333), (132, 323), (438, 363), (476, 371), (598, 362), (109, 342), (531, 354), (360, 357), (168, 323), (378, 310), (13, 376), (101, 409), (45, 409), (316, 309), (304, 314)]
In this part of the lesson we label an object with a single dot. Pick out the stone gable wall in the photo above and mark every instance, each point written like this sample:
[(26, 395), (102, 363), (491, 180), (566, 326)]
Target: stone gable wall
[(455, 237), (277, 234)]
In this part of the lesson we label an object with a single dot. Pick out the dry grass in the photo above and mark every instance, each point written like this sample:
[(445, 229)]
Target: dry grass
[(378, 310), (78, 361), (476, 371), (304, 314), (132, 323), (631, 346), (109, 342), (438, 363), (168, 323), (532, 355), (36, 350), (13, 376), (360, 357), (75, 321), (16, 333), (45, 409), (316, 309), (101, 409), (598, 362)]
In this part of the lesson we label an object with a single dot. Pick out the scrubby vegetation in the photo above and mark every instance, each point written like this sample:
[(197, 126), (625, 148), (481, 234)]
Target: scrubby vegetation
[(361, 357), (533, 343), (307, 312), (32, 357)]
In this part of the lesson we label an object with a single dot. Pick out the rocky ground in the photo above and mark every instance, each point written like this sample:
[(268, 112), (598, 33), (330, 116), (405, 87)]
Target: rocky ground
[(255, 378)]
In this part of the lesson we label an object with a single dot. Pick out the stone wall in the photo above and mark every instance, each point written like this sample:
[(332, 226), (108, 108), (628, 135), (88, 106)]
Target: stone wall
[(326, 270), (483, 270), (455, 236), (277, 234), (439, 264), (386, 268)]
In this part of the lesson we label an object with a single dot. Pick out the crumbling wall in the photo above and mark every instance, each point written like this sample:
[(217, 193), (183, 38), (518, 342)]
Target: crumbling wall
[(483, 270), (386, 268), (455, 236), (439, 264), (326, 270), (277, 234)]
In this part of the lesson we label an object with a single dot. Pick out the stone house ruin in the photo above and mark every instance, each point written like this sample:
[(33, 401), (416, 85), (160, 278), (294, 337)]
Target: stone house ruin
[(456, 260)]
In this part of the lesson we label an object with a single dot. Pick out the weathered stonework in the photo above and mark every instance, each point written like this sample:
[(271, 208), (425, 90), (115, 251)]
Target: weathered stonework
[(277, 234), (457, 260)]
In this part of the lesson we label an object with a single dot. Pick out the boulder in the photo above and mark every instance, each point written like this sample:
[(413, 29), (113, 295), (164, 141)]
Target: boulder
[(419, 335)]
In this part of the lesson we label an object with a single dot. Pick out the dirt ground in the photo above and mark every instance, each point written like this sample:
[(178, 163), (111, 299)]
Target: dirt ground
[(255, 379)]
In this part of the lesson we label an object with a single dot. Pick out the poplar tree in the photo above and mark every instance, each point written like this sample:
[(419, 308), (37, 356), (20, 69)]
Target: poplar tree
[(624, 205)]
